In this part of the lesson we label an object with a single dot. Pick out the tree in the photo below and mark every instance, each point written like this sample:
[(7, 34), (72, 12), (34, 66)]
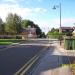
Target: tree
[(17, 23), (43, 35), (38, 31), (53, 30), (9, 24), (2, 27), (54, 33), (13, 23), (26, 23)]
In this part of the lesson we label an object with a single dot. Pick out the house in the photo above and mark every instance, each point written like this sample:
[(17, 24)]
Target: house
[(28, 33), (66, 29)]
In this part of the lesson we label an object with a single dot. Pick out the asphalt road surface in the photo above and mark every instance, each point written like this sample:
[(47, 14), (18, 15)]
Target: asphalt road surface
[(12, 59)]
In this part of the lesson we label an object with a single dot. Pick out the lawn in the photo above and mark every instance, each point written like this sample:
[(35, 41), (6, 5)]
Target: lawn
[(5, 43), (10, 41)]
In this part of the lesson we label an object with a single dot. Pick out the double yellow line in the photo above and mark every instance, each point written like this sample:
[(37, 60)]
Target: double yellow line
[(28, 65)]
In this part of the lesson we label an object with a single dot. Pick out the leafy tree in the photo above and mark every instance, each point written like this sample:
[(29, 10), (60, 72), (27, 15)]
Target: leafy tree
[(38, 31), (54, 33), (17, 23), (43, 35), (9, 23), (13, 23), (26, 23), (53, 30), (2, 27)]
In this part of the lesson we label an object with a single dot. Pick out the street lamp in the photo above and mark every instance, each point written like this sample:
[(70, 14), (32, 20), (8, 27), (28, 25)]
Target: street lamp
[(60, 14), (60, 19)]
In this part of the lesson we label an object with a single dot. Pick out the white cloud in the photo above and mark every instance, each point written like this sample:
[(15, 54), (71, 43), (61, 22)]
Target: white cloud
[(12, 1), (39, 10), (17, 1), (14, 8)]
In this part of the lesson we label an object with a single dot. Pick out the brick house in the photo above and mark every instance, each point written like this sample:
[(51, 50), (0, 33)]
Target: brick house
[(67, 29), (28, 33)]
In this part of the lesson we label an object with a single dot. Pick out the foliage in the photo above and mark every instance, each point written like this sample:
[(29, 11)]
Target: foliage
[(26, 23), (9, 23), (54, 33), (13, 24), (43, 35), (2, 27), (17, 23)]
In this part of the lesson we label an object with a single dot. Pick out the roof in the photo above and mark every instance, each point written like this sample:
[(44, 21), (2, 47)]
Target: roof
[(66, 27), (28, 30)]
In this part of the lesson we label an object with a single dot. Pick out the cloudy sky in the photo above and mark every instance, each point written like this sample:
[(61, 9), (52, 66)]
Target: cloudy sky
[(41, 12)]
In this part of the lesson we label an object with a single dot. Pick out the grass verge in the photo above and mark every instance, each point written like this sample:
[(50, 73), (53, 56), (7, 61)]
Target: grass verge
[(72, 67), (5, 43), (11, 40)]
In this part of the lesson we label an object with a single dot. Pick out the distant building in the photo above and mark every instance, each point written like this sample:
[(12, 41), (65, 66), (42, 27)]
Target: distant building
[(28, 33), (67, 29)]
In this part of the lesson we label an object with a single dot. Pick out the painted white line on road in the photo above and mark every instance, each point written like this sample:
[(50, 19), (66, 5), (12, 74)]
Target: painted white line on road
[(11, 46), (34, 44)]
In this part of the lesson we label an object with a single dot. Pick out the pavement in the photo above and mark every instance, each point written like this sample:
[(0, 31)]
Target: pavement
[(64, 51), (51, 64)]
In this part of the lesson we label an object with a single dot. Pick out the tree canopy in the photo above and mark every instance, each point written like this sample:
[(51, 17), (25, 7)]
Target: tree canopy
[(14, 25), (2, 27)]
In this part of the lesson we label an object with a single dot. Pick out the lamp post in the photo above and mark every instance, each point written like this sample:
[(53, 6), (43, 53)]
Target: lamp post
[(60, 19), (55, 7)]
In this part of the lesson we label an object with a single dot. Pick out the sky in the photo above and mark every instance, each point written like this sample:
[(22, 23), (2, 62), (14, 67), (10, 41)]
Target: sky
[(41, 12)]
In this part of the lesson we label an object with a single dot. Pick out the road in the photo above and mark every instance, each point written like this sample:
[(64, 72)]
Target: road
[(13, 58)]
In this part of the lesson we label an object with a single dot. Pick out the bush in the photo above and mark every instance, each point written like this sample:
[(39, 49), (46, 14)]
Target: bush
[(18, 37)]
